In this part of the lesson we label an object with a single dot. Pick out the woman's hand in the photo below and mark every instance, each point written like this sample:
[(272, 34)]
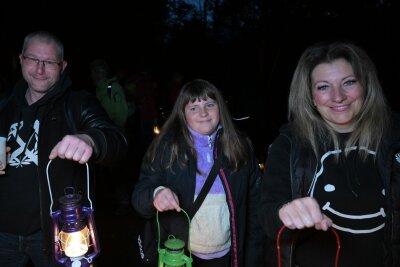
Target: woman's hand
[(304, 213), (166, 199)]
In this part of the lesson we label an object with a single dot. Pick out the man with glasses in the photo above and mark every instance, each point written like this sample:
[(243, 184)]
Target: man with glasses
[(48, 64), (44, 119)]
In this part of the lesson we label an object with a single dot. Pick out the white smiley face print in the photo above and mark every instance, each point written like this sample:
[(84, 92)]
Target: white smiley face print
[(350, 192)]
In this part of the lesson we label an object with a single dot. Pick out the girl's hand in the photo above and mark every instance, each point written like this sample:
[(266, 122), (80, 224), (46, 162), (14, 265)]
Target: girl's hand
[(166, 199)]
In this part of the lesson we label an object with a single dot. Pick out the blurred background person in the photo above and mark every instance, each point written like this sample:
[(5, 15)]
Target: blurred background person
[(118, 176)]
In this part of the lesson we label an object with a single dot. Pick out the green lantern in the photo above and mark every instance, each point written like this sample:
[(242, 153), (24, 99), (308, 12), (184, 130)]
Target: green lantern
[(173, 254)]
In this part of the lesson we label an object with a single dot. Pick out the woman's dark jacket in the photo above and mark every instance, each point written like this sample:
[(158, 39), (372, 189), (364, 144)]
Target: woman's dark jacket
[(242, 196), (86, 116), (299, 163)]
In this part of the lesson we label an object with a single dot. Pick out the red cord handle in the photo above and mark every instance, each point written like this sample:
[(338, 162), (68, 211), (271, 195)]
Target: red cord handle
[(279, 247)]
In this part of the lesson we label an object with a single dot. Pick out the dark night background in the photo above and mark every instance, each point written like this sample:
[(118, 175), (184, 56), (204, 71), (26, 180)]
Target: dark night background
[(249, 48), (251, 64)]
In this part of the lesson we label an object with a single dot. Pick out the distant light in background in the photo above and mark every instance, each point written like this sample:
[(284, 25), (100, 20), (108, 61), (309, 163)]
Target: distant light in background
[(261, 165), (156, 130)]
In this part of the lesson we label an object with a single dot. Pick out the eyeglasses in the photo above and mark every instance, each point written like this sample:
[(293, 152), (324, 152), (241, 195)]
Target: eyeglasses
[(48, 64)]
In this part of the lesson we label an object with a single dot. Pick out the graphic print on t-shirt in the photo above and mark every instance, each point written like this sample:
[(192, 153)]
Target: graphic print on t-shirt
[(26, 152), (350, 192)]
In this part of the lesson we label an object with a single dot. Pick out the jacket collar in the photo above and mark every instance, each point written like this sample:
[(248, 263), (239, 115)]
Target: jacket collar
[(203, 140)]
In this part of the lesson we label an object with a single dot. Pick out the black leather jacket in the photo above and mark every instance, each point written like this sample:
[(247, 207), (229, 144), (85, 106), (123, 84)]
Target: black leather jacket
[(88, 117)]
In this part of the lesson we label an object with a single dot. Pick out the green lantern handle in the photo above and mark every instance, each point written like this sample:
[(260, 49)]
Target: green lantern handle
[(159, 236)]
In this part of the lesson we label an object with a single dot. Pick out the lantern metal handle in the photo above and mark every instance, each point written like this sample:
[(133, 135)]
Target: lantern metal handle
[(159, 235), (51, 195)]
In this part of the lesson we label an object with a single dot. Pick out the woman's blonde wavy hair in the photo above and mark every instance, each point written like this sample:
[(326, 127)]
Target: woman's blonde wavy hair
[(373, 118)]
